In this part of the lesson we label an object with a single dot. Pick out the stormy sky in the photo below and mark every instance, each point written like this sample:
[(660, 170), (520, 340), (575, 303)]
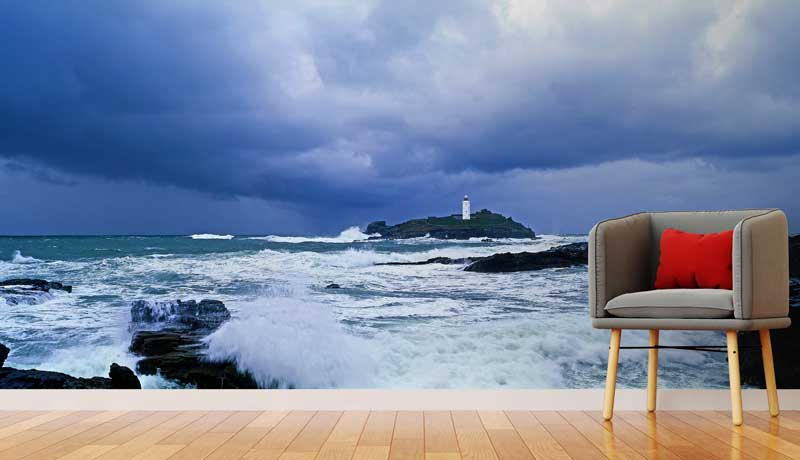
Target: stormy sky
[(304, 117)]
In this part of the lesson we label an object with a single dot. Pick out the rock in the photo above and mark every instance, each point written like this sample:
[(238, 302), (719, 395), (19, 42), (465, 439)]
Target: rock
[(37, 284), (122, 378), (29, 291), (3, 354), (175, 350), (483, 224), (179, 356), (207, 314), (376, 227), (785, 349), (562, 256), (794, 256), (11, 378), (333, 286), (437, 260)]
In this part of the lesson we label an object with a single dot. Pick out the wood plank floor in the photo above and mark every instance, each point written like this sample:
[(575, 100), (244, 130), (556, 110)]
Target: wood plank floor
[(383, 435)]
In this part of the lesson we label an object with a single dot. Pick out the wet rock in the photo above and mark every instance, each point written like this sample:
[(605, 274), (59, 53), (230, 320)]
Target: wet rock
[(18, 379), (785, 349), (123, 378), (180, 356), (3, 354), (437, 260), (36, 284), (562, 256), (29, 291), (206, 314), (333, 286), (169, 338)]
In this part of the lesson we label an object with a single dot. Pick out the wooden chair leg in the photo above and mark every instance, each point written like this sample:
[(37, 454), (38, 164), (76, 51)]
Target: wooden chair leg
[(652, 371), (735, 379), (769, 372), (611, 374)]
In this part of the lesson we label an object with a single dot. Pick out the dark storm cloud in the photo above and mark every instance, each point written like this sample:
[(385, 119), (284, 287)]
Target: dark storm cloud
[(360, 103)]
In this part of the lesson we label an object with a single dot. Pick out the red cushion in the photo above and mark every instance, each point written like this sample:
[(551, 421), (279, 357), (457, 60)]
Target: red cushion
[(695, 260)]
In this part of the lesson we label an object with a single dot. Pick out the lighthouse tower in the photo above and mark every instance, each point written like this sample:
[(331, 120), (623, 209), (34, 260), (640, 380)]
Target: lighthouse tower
[(465, 208)]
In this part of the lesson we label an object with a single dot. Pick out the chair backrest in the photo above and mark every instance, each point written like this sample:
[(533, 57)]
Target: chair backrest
[(692, 221)]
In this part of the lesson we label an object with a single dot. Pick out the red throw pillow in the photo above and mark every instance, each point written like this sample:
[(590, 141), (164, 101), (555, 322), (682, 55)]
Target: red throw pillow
[(695, 260)]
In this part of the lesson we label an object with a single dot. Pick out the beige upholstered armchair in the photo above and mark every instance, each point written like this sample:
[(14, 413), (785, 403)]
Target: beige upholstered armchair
[(624, 257)]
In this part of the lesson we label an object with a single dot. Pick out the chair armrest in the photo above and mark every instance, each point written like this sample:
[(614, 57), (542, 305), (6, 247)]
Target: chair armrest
[(761, 266), (619, 260)]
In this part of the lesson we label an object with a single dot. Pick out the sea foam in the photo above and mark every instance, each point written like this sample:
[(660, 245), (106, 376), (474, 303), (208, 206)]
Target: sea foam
[(349, 235), (210, 236), (294, 343), (18, 258)]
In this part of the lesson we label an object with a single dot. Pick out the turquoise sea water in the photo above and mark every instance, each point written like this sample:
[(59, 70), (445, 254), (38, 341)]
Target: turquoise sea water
[(423, 326)]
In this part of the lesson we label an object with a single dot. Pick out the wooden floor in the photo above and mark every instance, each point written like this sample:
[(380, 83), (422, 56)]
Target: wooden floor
[(445, 435)]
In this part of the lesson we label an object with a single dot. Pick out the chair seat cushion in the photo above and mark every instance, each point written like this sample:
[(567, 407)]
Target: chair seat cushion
[(673, 303)]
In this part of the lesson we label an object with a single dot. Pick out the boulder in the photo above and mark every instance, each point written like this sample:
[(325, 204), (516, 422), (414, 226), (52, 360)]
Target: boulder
[(207, 314), (168, 336), (562, 256), (123, 378), (179, 355), (17, 379)]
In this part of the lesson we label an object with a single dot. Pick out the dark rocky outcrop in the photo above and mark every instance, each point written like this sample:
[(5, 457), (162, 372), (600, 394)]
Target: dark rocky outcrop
[(562, 256), (3, 354), (19, 379), (206, 314), (29, 291), (437, 260), (120, 377), (333, 286), (36, 284), (179, 356), (169, 338), (785, 350), (785, 342), (123, 378), (482, 224)]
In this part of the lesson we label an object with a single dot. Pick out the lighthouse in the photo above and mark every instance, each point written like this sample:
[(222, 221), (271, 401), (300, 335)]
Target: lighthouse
[(465, 208)]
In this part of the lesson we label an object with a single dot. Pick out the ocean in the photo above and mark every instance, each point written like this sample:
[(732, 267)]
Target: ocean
[(406, 326)]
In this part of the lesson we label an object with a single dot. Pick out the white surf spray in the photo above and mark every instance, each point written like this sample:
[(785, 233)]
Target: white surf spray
[(293, 343), (349, 235), (18, 258), (210, 236)]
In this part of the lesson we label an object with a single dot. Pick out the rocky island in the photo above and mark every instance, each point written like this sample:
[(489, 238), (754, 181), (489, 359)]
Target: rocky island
[(482, 224)]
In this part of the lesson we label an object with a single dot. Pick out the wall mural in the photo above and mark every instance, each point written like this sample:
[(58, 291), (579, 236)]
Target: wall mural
[(272, 194)]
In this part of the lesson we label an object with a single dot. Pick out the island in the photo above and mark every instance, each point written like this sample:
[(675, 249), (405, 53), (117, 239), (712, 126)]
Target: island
[(482, 224)]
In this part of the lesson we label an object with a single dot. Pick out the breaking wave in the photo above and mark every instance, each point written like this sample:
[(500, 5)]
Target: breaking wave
[(291, 343), (349, 235), (18, 258), (210, 236)]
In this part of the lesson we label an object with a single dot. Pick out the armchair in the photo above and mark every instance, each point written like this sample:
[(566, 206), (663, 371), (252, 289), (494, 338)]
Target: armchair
[(623, 260)]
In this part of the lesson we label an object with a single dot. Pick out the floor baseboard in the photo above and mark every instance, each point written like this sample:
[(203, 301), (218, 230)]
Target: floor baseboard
[(591, 399)]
